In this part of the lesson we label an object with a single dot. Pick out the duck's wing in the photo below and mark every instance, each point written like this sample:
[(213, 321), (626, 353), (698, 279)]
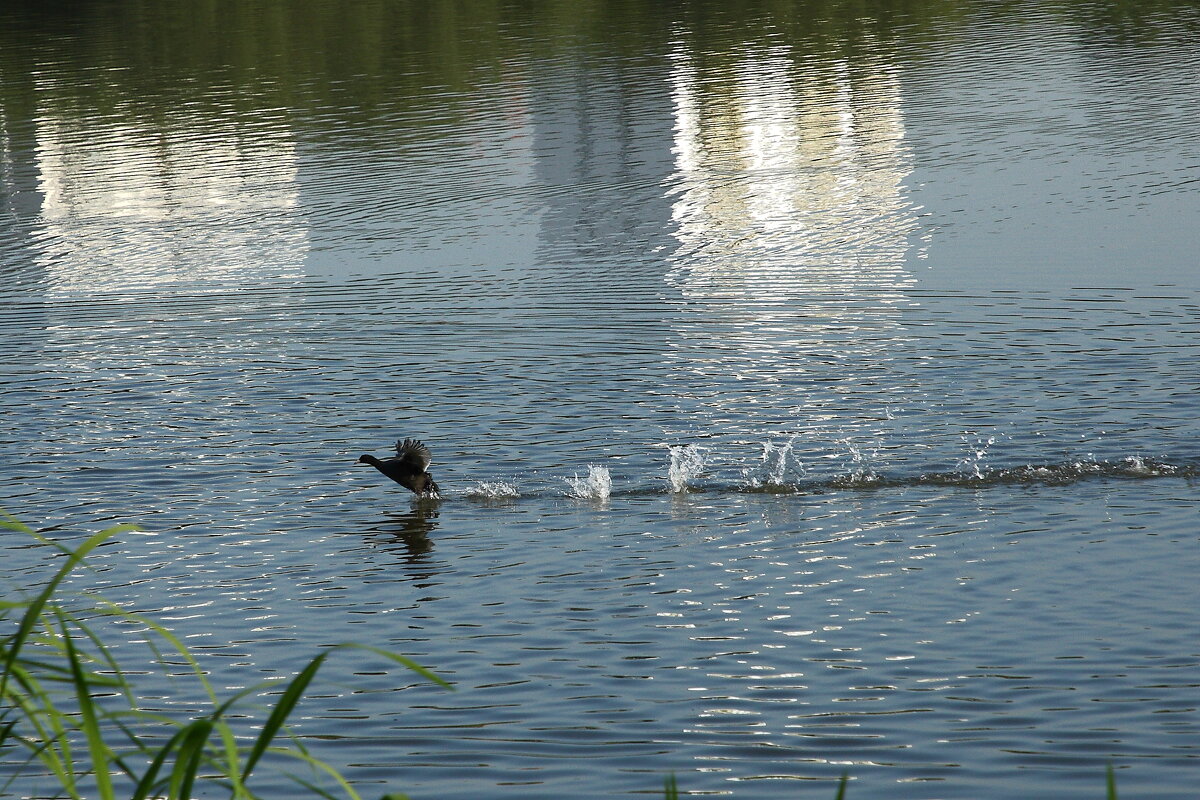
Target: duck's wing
[(413, 455)]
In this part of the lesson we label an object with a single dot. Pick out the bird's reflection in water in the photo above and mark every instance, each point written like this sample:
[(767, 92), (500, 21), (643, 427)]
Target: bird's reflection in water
[(408, 532)]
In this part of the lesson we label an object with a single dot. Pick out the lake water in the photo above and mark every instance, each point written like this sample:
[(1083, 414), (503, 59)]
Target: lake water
[(812, 390)]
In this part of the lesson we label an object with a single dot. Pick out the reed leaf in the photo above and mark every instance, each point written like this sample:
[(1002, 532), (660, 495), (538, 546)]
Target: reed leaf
[(7, 520), (55, 665), (188, 760), (33, 613), (100, 753), (407, 663), (283, 708), (146, 784)]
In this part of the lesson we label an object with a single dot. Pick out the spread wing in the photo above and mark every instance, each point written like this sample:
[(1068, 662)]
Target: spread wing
[(413, 454)]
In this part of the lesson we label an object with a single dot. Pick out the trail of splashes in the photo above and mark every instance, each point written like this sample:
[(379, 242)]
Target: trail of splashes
[(687, 463), (596, 486)]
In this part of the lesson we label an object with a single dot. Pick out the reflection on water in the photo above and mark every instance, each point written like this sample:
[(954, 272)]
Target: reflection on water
[(132, 204), (793, 231), (789, 175), (730, 488), (409, 530)]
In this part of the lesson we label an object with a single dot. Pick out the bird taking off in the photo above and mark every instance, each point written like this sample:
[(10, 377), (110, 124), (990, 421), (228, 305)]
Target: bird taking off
[(407, 468)]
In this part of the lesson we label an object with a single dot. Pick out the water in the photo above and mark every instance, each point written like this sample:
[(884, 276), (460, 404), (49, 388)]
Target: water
[(808, 394)]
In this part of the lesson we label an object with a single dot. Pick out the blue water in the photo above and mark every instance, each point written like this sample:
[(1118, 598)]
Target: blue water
[(808, 397)]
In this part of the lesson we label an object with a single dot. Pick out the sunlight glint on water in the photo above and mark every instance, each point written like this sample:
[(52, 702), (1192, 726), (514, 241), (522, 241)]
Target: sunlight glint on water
[(808, 393)]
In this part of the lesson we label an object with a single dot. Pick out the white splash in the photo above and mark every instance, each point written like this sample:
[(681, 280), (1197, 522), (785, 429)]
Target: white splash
[(774, 465), (861, 468), (687, 464), (596, 486), (1136, 465), (493, 490), (972, 465)]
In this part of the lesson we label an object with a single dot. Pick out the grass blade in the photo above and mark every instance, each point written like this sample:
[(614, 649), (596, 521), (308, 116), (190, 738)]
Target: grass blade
[(187, 762), (146, 785), (33, 612), (91, 725), (7, 520), (408, 663), (281, 712), (1111, 781)]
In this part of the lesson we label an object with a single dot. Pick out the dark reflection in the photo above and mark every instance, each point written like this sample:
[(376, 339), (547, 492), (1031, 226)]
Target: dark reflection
[(361, 56), (408, 533)]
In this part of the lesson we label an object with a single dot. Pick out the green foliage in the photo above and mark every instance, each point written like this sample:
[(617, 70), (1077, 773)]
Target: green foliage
[(66, 702)]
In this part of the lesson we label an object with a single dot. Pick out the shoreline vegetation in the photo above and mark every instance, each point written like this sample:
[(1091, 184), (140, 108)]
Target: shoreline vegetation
[(68, 704)]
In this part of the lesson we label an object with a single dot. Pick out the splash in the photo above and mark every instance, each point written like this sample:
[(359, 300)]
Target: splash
[(493, 490), (972, 465), (596, 486), (687, 464), (1138, 467), (776, 461), (861, 469)]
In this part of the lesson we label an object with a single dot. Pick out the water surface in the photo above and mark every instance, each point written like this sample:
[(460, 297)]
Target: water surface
[(811, 392)]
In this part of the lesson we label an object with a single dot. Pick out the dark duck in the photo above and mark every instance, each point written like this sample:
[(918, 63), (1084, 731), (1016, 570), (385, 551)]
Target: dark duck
[(407, 468)]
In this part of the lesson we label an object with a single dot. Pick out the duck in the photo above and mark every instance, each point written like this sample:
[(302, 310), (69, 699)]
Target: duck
[(408, 467)]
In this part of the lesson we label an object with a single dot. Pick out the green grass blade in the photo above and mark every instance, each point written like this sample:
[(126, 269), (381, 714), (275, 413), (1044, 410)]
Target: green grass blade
[(91, 725), (841, 792), (312, 787), (671, 788), (187, 762), (6, 731), (399, 659), (146, 784), (49, 743), (7, 520), (1111, 781), (232, 767), (117, 679), (280, 713), (33, 612)]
